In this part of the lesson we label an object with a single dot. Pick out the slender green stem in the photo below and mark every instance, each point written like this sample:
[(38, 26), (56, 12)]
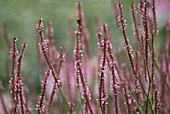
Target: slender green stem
[(140, 110), (80, 100), (148, 100), (65, 99), (160, 72), (163, 77)]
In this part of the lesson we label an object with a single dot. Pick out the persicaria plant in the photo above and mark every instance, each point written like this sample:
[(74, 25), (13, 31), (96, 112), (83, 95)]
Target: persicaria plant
[(130, 80)]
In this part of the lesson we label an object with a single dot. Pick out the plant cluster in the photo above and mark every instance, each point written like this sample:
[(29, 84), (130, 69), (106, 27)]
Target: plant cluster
[(133, 80)]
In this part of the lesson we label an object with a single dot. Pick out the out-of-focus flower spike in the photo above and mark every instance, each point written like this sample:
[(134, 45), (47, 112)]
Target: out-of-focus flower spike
[(154, 16), (2, 100), (6, 37)]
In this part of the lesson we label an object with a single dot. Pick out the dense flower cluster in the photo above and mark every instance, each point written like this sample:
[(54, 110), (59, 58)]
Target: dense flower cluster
[(117, 80)]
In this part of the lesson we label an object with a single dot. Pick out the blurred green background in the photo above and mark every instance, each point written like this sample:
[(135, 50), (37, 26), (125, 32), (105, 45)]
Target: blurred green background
[(21, 16)]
